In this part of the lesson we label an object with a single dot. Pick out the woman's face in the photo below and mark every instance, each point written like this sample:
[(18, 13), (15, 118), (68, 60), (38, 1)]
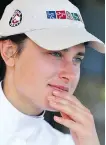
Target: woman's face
[(36, 69)]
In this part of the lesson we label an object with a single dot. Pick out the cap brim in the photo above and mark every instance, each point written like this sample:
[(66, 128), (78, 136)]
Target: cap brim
[(62, 38)]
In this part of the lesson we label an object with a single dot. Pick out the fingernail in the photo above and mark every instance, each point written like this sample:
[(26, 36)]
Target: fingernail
[(57, 118), (56, 92), (52, 103), (51, 98)]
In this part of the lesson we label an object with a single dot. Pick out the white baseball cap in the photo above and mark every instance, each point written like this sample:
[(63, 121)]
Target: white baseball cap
[(52, 24)]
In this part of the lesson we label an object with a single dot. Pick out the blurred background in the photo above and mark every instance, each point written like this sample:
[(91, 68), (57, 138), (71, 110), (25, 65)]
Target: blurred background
[(91, 88)]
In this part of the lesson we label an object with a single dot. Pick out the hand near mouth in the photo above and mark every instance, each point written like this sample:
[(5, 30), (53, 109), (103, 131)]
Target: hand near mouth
[(76, 117)]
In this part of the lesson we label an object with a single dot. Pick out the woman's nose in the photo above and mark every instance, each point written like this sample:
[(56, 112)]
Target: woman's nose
[(69, 72)]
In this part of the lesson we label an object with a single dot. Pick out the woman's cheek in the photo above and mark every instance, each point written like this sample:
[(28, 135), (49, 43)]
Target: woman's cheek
[(50, 66), (74, 82)]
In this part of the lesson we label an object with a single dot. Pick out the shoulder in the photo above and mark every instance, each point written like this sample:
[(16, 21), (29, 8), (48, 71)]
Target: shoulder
[(61, 138)]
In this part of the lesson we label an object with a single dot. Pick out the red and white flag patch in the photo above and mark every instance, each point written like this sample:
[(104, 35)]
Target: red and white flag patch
[(61, 14)]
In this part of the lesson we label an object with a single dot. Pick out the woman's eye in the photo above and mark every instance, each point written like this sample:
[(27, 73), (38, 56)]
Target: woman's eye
[(56, 54), (77, 60)]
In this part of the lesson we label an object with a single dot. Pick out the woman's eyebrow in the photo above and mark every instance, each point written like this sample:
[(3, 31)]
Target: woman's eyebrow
[(65, 50), (81, 53)]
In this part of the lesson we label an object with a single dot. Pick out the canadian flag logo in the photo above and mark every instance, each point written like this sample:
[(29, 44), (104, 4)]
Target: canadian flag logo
[(16, 19), (61, 14)]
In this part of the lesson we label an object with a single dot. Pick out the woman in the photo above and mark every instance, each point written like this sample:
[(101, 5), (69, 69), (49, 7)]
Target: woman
[(42, 47)]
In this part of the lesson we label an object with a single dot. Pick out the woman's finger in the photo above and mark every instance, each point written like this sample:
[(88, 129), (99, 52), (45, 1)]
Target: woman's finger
[(77, 114), (74, 127), (72, 99)]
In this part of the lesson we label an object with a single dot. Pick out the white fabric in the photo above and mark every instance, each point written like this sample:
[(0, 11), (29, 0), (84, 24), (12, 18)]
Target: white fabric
[(51, 33), (17, 128)]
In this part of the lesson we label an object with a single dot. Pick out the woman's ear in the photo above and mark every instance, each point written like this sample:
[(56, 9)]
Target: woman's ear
[(7, 50)]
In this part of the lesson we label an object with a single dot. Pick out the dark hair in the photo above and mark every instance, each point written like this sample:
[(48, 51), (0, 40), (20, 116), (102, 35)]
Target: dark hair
[(19, 41)]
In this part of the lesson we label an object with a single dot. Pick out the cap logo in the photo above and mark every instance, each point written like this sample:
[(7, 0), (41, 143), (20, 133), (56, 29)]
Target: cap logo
[(16, 19), (63, 15)]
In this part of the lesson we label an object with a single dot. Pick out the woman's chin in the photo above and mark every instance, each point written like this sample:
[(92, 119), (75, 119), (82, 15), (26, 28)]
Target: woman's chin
[(49, 108)]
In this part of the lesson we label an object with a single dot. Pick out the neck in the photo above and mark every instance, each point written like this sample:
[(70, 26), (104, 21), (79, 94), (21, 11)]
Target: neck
[(21, 103)]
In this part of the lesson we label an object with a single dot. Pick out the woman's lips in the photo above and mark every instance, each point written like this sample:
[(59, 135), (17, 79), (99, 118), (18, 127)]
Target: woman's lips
[(60, 88)]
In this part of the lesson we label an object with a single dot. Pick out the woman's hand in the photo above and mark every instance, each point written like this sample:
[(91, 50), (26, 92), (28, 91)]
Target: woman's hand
[(76, 117)]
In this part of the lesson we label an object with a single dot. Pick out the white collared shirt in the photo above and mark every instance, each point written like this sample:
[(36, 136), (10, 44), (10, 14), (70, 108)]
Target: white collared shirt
[(17, 128)]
